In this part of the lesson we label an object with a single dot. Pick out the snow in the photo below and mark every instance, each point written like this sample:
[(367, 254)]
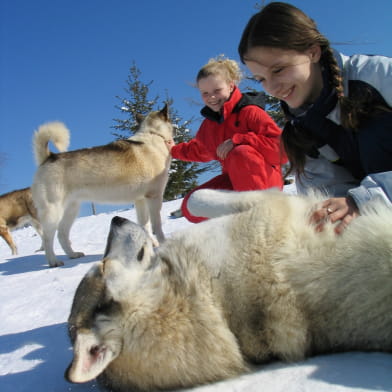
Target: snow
[(35, 302)]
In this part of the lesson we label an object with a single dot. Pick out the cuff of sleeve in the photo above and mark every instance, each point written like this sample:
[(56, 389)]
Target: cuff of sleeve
[(236, 139), (360, 195), (174, 152)]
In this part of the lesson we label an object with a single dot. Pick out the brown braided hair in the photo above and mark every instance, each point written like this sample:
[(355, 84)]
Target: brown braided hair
[(360, 105), (284, 26)]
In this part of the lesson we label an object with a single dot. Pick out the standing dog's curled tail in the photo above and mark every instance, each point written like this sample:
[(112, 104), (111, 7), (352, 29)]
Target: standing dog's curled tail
[(55, 132)]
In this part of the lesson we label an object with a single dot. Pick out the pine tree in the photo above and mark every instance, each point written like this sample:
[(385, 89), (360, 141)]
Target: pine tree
[(274, 109), (183, 175), (136, 103)]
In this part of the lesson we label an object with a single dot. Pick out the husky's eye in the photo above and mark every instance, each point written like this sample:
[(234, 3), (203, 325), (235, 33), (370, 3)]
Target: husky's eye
[(140, 254)]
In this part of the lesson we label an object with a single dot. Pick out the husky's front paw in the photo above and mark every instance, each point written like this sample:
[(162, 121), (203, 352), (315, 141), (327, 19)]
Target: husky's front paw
[(55, 263)]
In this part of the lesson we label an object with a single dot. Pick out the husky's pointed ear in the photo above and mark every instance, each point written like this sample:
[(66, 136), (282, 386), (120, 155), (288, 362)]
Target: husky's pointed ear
[(90, 293), (90, 359), (139, 118), (165, 112)]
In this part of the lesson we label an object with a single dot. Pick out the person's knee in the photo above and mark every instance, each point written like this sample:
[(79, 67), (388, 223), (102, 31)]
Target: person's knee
[(191, 218), (221, 181)]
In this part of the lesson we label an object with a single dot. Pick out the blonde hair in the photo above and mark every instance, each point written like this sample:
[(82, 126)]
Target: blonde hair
[(229, 69)]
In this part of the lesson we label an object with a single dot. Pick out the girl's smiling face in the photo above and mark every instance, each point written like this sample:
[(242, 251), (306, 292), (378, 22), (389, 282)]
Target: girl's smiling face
[(291, 76), (215, 91)]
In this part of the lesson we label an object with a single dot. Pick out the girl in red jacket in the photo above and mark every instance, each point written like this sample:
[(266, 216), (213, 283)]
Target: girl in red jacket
[(236, 132)]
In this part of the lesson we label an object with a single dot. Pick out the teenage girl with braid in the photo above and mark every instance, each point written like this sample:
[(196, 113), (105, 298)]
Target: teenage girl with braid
[(338, 137)]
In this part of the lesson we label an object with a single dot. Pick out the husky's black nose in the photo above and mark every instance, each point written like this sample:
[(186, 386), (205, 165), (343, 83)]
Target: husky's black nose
[(118, 221)]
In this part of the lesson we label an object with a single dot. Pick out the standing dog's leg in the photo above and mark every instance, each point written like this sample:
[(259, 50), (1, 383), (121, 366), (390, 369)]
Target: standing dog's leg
[(64, 228), (38, 228), (48, 238), (5, 233), (49, 217), (143, 218), (142, 214), (154, 206)]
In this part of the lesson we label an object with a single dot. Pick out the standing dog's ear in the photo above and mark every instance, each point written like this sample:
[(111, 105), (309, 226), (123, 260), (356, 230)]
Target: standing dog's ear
[(139, 118), (165, 112)]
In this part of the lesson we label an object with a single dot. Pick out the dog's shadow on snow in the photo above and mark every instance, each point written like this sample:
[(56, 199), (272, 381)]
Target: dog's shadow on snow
[(37, 262), (43, 355), (344, 369), (349, 369)]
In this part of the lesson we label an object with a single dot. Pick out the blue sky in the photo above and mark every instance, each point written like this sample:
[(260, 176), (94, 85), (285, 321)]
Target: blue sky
[(68, 60)]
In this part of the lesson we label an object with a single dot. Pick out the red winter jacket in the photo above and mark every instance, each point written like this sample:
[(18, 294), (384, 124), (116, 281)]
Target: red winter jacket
[(250, 125)]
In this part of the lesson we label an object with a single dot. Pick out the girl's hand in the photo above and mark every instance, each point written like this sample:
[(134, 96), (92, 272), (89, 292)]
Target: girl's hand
[(224, 148), (335, 209)]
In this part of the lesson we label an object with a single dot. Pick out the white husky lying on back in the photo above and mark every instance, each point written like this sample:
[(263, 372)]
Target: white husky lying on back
[(255, 284)]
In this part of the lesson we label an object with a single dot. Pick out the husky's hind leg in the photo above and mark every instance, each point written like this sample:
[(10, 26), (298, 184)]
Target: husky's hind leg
[(49, 217), (5, 233), (70, 214), (38, 228)]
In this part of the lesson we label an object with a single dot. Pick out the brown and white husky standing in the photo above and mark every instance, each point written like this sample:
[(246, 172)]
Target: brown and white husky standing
[(132, 170)]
